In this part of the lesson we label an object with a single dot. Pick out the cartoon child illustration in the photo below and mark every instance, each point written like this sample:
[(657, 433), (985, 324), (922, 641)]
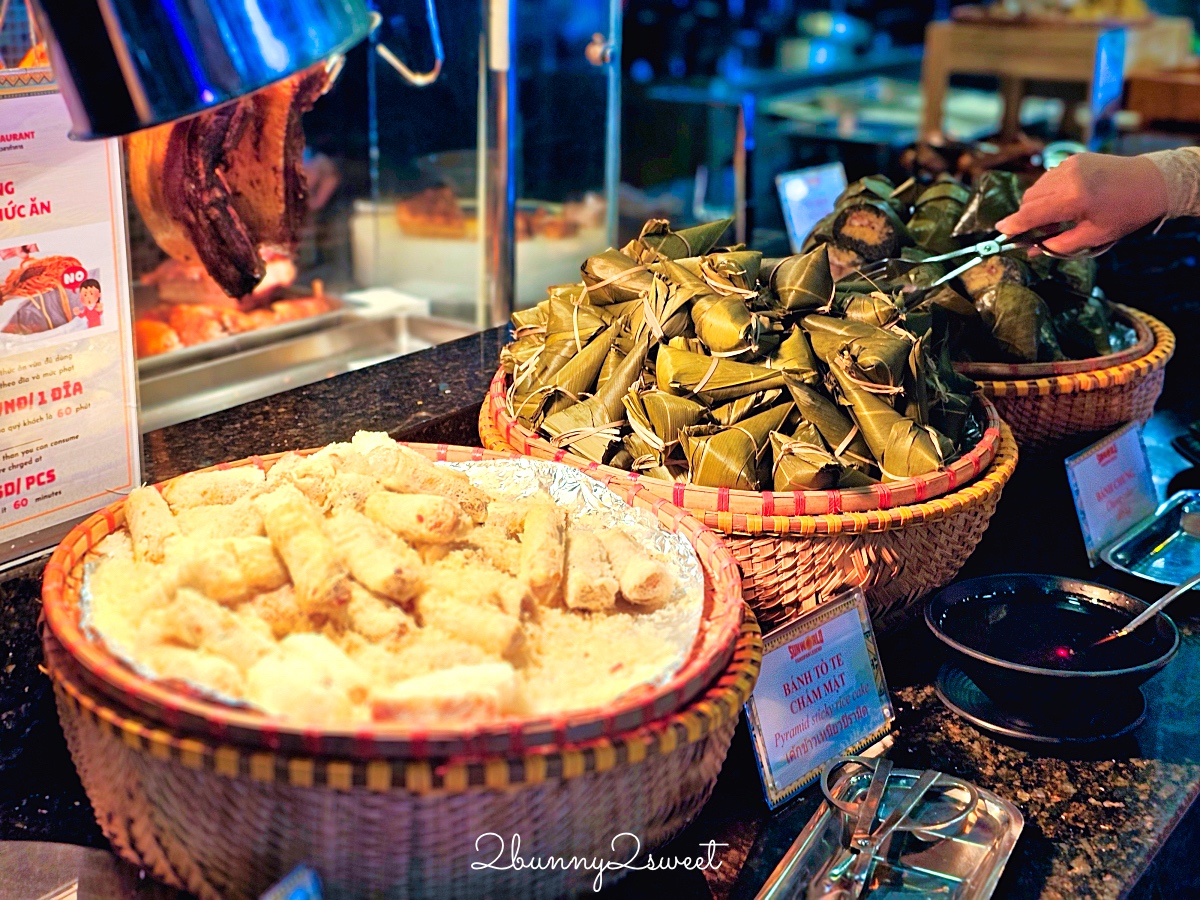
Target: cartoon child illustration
[(93, 308)]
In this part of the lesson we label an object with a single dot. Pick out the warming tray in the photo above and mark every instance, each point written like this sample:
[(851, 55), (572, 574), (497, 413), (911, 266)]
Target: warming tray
[(1158, 549), (208, 385), (247, 340)]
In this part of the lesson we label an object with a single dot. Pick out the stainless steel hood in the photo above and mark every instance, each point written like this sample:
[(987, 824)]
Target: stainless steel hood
[(123, 65)]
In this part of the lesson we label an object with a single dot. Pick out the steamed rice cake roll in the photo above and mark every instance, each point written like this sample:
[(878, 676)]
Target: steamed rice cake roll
[(418, 518)]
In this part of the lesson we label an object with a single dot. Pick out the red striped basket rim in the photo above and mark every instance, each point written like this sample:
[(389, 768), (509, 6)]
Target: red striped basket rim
[(1145, 342), (976, 493), (720, 704), (515, 436), (182, 711), (1100, 379)]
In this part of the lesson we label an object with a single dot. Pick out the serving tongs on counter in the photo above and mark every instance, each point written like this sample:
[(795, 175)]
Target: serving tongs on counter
[(977, 253), (963, 836)]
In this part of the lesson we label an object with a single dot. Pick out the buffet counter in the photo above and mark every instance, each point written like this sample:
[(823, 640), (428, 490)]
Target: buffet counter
[(1106, 826)]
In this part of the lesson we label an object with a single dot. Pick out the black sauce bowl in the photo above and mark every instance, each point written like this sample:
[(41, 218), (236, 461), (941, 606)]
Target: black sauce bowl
[(1039, 691)]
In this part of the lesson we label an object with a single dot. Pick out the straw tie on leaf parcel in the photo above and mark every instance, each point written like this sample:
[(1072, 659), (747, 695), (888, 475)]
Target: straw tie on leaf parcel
[(590, 428), (802, 466)]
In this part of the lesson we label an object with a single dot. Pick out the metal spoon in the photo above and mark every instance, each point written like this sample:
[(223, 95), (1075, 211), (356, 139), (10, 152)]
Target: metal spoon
[(1189, 523)]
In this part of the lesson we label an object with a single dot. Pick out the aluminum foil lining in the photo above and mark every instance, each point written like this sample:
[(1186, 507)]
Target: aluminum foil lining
[(592, 506)]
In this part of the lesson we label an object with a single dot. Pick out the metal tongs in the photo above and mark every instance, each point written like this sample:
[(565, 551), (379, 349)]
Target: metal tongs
[(848, 872), (977, 253)]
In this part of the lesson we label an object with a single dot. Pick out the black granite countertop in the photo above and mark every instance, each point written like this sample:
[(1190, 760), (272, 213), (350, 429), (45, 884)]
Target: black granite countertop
[(1113, 823), (1110, 821)]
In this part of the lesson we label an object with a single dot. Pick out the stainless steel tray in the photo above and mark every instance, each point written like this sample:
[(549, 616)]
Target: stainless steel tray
[(178, 394), (966, 866), (1158, 549), (236, 343)]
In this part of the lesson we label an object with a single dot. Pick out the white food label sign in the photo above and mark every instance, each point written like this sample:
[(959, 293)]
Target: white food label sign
[(820, 693), (69, 437), (1113, 487)]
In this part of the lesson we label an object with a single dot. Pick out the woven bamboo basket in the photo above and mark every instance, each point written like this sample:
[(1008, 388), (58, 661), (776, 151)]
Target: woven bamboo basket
[(222, 802), (224, 822), (792, 563), (180, 709), (1045, 409)]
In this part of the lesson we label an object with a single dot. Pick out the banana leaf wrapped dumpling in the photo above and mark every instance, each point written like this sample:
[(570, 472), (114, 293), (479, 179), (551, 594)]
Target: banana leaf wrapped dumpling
[(795, 355), (950, 393), (735, 456), (725, 324), (612, 277), (612, 364), (801, 282), (839, 433), (710, 378), (657, 241), (879, 355), (543, 396), (874, 308), (521, 351), (569, 327), (575, 321), (872, 187), (803, 466), (656, 419), (802, 462), (591, 428), (1077, 274), (663, 312), (936, 213), (1084, 324), (870, 228), (996, 196), (533, 318), (909, 450), (1020, 323), (743, 407), (902, 447), (727, 272), (992, 271), (661, 416)]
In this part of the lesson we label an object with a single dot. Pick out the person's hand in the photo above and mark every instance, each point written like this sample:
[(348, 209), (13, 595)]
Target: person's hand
[(1107, 197)]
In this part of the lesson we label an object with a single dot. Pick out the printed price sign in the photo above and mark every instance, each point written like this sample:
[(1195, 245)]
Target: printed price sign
[(69, 437), (821, 693), (1113, 487)]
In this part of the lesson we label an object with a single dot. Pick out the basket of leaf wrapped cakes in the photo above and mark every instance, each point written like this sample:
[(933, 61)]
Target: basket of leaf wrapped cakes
[(1057, 358), (825, 434)]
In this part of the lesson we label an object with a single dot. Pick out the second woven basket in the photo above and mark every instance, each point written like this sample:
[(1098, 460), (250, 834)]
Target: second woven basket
[(1044, 411)]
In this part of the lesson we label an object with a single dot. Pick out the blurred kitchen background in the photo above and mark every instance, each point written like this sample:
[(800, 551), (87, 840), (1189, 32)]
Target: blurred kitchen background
[(690, 110)]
